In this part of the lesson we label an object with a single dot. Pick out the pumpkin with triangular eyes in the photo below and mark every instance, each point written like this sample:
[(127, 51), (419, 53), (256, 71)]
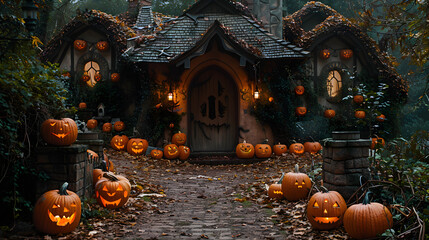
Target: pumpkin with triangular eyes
[(296, 185), (57, 211), (119, 142), (79, 45), (179, 139), (119, 126), (245, 150), (297, 148), (299, 90), (112, 191), (184, 152), (137, 146), (102, 45), (263, 151), (156, 154), (59, 132), (171, 151), (107, 127), (325, 210), (279, 149)]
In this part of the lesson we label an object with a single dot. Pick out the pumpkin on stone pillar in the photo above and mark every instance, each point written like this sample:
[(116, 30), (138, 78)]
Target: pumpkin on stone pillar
[(59, 132)]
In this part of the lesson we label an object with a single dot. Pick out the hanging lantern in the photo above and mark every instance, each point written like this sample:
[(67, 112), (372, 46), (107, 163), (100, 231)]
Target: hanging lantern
[(256, 93), (325, 54), (102, 45), (170, 96), (115, 77), (79, 45), (346, 53)]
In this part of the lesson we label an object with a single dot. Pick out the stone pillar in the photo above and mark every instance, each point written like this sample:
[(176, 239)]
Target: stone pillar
[(345, 160), (270, 12), (65, 164)]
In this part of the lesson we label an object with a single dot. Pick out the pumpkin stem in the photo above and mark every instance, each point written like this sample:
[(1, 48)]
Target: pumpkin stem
[(63, 189), (281, 179), (244, 141), (110, 176), (296, 168), (366, 199)]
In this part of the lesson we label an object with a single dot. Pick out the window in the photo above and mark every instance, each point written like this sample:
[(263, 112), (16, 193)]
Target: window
[(334, 83), (93, 70)]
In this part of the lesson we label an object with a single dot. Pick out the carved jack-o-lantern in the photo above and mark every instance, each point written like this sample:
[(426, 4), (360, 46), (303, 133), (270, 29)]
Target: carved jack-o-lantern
[(85, 77), (171, 151), (296, 185), (245, 150), (102, 45), (59, 132), (156, 154), (381, 118), (279, 149), (299, 90), (107, 127), (79, 45), (91, 123), (179, 139), (326, 210), (300, 111), (325, 54), (263, 151), (115, 77), (358, 99), (119, 126), (119, 142), (137, 146), (296, 148), (312, 147), (98, 77), (112, 191), (184, 152), (346, 54), (82, 105), (360, 114), (275, 190), (57, 211), (329, 113)]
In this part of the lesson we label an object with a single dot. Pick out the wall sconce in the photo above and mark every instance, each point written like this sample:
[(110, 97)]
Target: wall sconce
[(256, 93), (170, 96), (29, 10)]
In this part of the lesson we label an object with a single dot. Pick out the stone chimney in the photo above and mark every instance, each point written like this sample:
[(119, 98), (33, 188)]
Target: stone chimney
[(270, 12), (135, 5)]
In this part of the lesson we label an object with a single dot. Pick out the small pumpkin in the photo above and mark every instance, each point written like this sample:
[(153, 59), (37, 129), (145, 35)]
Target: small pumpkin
[(360, 114), (91, 123), (184, 152), (300, 111), (296, 185), (171, 126), (137, 146), (279, 149), (82, 105), (325, 54), (377, 142), (245, 150), (96, 175), (171, 151), (107, 127), (263, 151), (299, 90), (346, 54), (119, 142), (275, 190), (312, 147), (156, 153), (367, 220), (102, 45), (79, 45), (297, 148), (329, 113), (358, 99), (380, 118), (57, 211), (112, 191), (119, 126), (85, 77), (325, 210), (115, 77), (59, 132), (179, 139), (98, 77)]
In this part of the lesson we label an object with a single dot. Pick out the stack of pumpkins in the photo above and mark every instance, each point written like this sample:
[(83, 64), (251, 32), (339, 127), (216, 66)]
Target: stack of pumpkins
[(327, 209), (246, 150)]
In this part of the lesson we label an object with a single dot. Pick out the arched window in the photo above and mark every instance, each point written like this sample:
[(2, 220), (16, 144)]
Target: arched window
[(93, 70), (333, 83)]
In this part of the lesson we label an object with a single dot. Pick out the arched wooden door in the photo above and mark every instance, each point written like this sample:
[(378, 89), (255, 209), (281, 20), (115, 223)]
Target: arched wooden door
[(213, 105)]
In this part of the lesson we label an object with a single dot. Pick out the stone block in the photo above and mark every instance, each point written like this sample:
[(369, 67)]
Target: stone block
[(347, 153), (345, 135), (335, 167), (353, 178), (327, 152), (339, 180), (353, 170), (327, 160), (349, 164), (345, 191)]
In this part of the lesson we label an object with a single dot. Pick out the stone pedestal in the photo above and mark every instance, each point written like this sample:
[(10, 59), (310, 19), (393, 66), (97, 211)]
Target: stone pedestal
[(65, 164), (345, 160)]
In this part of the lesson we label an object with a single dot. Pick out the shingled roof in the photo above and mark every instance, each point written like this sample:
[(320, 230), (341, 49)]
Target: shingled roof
[(336, 24), (232, 21)]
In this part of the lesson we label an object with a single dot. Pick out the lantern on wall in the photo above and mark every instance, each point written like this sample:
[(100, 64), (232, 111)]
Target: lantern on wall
[(325, 54), (102, 45), (256, 93), (170, 96), (346, 53), (79, 45), (115, 77)]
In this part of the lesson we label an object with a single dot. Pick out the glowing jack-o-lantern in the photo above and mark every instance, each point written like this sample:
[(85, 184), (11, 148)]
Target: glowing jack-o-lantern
[(156, 154), (360, 114), (297, 148), (171, 151), (279, 149), (119, 142), (79, 45), (296, 185), (179, 139), (346, 54), (115, 77), (312, 147), (184, 152), (98, 77), (300, 111), (91, 123), (119, 126), (57, 211), (107, 127), (263, 151), (245, 150), (325, 54), (112, 191), (102, 45), (325, 210), (329, 113), (85, 77), (137, 146), (59, 132), (275, 190), (299, 90)]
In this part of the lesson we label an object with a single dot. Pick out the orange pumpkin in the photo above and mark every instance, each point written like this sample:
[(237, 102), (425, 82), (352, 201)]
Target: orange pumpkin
[(107, 127), (360, 114), (59, 132), (245, 150), (82, 105), (377, 142), (275, 190), (119, 126), (112, 191), (325, 53), (358, 99), (171, 151), (119, 142), (300, 111), (98, 77), (57, 211), (171, 124), (296, 185), (79, 45), (296, 148), (102, 45), (279, 149), (179, 139), (346, 54), (312, 147), (329, 113), (299, 90), (137, 146), (156, 154), (184, 152), (85, 77), (115, 77), (91, 123), (325, 210), (381, 118), (263, 151), (96, 175)]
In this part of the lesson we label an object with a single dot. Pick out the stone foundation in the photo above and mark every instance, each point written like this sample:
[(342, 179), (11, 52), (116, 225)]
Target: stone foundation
[(345, 160)]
